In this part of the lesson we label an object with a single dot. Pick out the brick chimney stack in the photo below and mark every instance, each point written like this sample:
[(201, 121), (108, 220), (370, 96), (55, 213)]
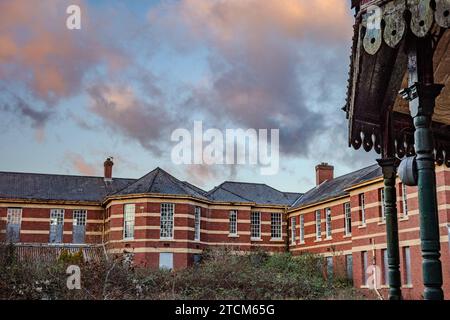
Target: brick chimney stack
[(324, 172), (108, 164)]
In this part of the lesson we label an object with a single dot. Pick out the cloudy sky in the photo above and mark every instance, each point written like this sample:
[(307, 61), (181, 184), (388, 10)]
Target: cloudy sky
[(138, 70)]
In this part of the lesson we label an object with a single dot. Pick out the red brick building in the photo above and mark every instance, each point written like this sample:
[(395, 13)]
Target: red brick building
[(164, 222)]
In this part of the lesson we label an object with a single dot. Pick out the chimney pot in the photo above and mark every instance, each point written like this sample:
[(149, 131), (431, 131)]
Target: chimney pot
[(324, 172), (108, 164)]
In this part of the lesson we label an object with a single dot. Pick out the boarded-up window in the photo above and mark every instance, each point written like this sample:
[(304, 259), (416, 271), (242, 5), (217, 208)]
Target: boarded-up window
[(166, 260), (79, 226), (56, 225), (13, 222)]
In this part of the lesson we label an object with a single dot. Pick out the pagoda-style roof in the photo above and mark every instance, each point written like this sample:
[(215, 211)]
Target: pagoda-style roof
[(379, 67)]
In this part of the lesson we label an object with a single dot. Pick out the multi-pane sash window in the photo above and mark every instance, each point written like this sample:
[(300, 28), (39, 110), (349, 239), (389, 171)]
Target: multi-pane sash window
[(56, 225), (318, 225), (404, 200), (275, 226), (328, 222), (302, 228), (255, 225), (13, 221), (197, 219), (233, 223), (348, 219), (382, 204), (128, 221), (362, 210), (166, 225), (293, 231), (79, 225)]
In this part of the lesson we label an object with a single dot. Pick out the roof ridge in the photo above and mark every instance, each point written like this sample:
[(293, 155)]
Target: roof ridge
[(62, 175), (237, 194), (154, 178)]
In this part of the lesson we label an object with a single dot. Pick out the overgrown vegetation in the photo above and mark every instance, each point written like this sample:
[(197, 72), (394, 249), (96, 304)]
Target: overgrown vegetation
[(222, 274)]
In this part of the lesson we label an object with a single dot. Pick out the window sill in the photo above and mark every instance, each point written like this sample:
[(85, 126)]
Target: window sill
[(127, 239), (256, 239), (347, 235), (362, 226), (407, 286), (328, 238), (233, 236), (276, 239), (318, 240), (404, 218), (301, 242), (166, 239), (382, 223)]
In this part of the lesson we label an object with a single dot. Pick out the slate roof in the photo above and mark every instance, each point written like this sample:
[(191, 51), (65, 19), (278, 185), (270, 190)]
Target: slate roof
[(336, 187), (36, 186), (161, 182), (251, 192)]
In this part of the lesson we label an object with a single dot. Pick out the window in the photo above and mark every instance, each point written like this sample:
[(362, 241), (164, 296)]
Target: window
[(233, 223), (318, 222), (348, 219), (385, 266), (197, 219), (407, 265), (128, 221), (276, 226), (404, 200), (302, 228), (349, 266), (79, 225), (364, 267), (362, 210), (56, 225), (166, 225), (255, 225), (328, 222), (329, 267), (166, 260), (293, 231), (382, 205), (13, 222)]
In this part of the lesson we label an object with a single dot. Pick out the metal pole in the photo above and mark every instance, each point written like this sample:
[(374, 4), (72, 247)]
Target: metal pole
[(421, 95), (388, 166)]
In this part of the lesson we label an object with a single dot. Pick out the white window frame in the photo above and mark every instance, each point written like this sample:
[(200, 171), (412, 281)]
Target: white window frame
[(169, 255), (293, 230), (276, 226), (302, 228), (347, 219), (56, 219), (383, 205), (255, 225), (197, 223), (404, 200), (14, 217), (318, 219), (167, 214), (79, 217), (233, 223), (362, 205), (129, 218), (328, 228)]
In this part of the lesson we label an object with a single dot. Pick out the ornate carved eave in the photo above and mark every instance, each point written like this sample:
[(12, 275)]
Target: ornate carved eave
[(378, 68)]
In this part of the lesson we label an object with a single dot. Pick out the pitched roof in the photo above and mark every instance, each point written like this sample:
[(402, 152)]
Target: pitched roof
[(336, 187), (251, 192), (160, 182), (36, 186)]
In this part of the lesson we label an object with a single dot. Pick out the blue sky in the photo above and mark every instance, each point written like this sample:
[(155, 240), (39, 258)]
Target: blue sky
[(137, 70)]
